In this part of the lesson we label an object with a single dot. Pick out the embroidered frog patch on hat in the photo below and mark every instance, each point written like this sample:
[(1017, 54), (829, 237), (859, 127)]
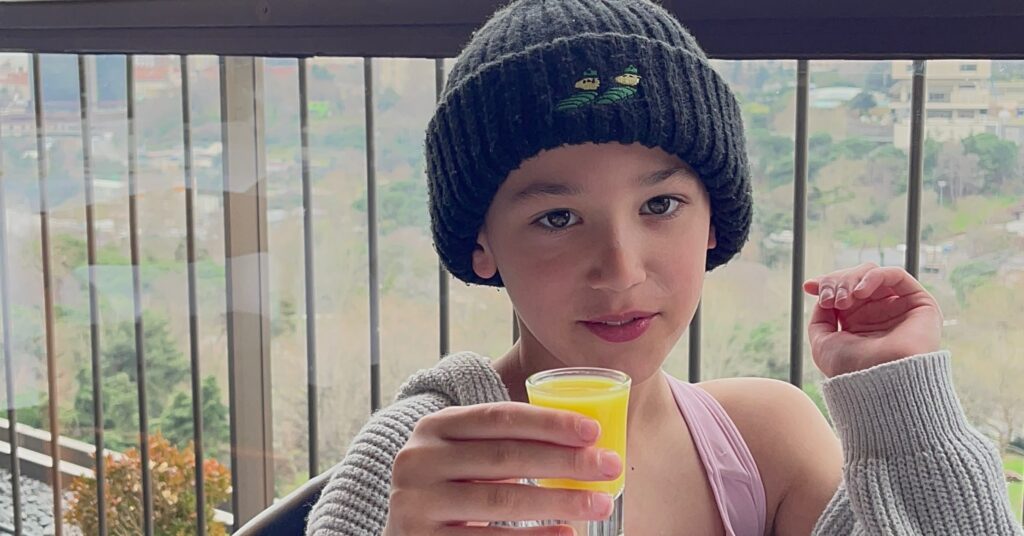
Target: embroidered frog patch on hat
[(589, 83)]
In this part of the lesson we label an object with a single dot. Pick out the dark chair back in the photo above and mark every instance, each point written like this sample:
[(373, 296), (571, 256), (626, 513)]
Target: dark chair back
[(287, 517)]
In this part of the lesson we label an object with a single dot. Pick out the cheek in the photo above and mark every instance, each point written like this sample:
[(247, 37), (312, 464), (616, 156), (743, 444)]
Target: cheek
[(679, 269), (538, 277), (681, 264)]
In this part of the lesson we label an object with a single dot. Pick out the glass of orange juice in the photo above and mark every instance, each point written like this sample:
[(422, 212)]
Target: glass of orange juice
[(603, 395)]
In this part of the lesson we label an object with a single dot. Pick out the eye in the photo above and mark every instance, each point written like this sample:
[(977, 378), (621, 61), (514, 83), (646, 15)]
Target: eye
[(557, 219), (661, 206)]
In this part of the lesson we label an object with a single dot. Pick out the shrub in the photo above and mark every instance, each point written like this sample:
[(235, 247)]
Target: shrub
[(174, 497)]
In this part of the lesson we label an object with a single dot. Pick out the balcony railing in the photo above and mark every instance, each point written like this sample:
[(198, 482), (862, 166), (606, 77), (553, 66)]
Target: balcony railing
[(242, 33)]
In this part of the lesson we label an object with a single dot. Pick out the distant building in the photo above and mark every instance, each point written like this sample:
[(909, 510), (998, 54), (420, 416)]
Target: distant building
[(14, 86), (829, 112), (1009, 101), (958, 104)]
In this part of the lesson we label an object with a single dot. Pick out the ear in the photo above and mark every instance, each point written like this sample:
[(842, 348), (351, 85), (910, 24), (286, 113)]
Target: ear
[(712, 239), (483, 258)]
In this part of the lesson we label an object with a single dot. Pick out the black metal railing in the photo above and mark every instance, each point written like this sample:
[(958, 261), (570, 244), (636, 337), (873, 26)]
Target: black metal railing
[(694, 366), (245, 210)]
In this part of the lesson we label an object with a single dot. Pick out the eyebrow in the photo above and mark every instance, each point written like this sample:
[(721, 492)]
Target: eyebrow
[(660, 176), (555, 189)]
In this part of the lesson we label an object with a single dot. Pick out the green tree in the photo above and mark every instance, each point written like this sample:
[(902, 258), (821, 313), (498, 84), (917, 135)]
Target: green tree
[(970, 276), (931, 157), (996, 157), (756, 114), (761, 347), (863, 102), (165, 364), (771, 222), (176, 421), (886, 170), (960, 173), (401, 205), (120, 410), (771, 157), (165, 369)]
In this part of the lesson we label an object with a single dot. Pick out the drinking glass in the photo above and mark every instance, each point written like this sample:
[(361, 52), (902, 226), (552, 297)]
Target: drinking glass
[(603, 395)]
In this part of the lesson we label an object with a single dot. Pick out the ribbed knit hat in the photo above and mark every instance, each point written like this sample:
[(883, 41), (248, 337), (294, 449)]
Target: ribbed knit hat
[(545, 73)]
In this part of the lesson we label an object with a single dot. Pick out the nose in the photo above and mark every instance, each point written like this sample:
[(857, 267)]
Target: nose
[(616, 262)]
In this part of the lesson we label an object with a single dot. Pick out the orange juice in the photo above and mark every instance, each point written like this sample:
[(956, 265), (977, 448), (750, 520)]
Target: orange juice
[(601, 394)]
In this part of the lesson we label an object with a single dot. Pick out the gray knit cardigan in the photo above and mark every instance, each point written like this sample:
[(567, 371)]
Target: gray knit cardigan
[(912, 463)]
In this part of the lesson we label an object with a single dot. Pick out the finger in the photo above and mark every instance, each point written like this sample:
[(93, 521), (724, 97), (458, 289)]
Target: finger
[(512, 420), (859, 302), (556, 530), (471, 501), (894, 278), (507, 459), (823, 322), (833, 279), (826, 292)]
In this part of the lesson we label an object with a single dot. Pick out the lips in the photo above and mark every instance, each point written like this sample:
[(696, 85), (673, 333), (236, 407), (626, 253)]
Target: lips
[(621, 327), (620, 318)]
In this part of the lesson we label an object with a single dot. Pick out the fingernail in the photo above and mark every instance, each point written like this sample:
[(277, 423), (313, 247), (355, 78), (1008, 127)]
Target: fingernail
[(609, 463), (860, 285), (601, 504), (588, 429), (826, 293), (841, 293)]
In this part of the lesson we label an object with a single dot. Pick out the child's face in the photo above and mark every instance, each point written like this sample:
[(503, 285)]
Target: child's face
[(577, 233)]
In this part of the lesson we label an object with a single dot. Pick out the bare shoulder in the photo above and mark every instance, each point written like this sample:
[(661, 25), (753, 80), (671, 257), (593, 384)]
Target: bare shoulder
[(790, 441), (765, 408), (772, 416)]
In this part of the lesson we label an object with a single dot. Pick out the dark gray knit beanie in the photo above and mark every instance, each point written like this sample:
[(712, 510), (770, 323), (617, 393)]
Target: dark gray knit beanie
[(545, 73)]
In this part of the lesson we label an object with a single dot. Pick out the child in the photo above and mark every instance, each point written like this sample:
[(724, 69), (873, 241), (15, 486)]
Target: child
[(586, 157)]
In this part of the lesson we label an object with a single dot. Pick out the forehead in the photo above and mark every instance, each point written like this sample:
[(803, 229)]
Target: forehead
[(571, 169), (599, 154)]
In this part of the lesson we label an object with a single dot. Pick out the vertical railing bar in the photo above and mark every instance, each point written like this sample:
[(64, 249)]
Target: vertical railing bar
[(796, 346), (371, 216), (97, 386), (44, 231), (133, 240), (90, 226), (228, 297), (193, 303), (307, 232), (53, 406), (694, 359), (12, 415), (443, 293), (914, 186)]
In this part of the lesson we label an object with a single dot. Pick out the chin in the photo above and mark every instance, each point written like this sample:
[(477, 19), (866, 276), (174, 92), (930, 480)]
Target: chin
[(640, 361)]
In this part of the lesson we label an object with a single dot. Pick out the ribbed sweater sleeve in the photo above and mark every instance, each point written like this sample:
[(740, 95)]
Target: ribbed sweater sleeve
[(355, 500), (912, 462)]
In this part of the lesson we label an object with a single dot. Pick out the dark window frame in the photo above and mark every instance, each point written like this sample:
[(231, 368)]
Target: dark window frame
[(728, 29)]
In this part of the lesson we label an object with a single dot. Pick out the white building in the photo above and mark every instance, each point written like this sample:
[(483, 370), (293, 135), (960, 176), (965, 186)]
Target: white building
[(958, 102)]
